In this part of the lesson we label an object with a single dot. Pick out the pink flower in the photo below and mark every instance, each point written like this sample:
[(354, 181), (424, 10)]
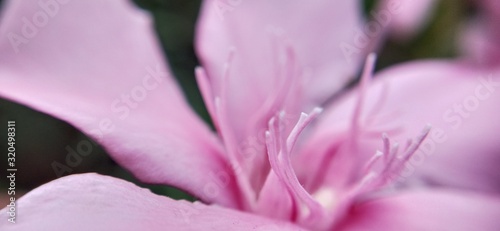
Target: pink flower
[(270, 166)]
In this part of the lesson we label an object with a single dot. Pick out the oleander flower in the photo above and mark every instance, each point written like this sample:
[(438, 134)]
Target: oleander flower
[(269, 165)]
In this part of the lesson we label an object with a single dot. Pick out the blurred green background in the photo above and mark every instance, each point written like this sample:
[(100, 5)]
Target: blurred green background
[(41, 139)]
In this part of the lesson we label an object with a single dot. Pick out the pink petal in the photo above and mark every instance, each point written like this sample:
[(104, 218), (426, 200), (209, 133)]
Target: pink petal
[(480, 37), (96, 202), (407, 17), (97, 65), (461, 103), (260, 57), (491, 7), (275, 200), (426, 210), (480, 44)]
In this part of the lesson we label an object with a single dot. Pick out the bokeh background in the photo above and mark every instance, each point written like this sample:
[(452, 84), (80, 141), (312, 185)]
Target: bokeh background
[(41, 139)]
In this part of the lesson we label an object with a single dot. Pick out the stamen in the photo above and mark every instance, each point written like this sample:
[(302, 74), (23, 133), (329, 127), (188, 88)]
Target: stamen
[(414, 146), (228, 137), (363, 185), (285, 80), (365, 182), (372, 161), (279, 158), (207, 94), (393, 156), (396, 163), (304, 120), (382, 98), (394, 149), (387, 146), (365, 78), (221, 109)]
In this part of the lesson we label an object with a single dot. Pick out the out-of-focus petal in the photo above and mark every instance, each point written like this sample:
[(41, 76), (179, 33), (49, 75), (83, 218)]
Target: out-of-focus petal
[(259, 58), (461, 103), (480, 38), (407, 17), (95, 202), (426, 211), (97, 65), (491, 7), (480, 44)]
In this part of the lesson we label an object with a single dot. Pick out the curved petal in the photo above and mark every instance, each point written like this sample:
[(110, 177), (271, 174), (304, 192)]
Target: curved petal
[(406, 17), (461, 102), (96, 202), (426, 210), (97, 65), (259, 58)]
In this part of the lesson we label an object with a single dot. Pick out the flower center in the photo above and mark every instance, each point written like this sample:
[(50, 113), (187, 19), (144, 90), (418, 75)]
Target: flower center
[(328, 204), (326, 197)]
